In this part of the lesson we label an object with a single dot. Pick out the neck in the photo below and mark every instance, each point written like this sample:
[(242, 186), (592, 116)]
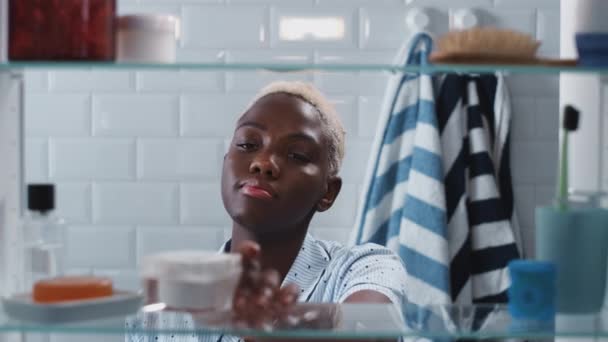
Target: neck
[(278, 251)]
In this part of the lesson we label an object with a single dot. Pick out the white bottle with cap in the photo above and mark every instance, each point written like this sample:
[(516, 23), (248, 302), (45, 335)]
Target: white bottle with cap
[(43, 236)]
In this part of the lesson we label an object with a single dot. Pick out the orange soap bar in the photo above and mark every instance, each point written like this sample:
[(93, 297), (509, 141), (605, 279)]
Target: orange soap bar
[(71, 288)]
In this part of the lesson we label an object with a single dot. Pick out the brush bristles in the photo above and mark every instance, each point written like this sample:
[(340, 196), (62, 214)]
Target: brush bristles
[(489, 41), (571, 118)]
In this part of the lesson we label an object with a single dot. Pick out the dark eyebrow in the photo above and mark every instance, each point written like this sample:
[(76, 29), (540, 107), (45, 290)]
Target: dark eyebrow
[(251, 124), (302, 136), (292, 136)]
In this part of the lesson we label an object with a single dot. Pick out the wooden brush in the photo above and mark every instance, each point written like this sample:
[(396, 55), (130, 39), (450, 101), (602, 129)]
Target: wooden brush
[(491, 46)]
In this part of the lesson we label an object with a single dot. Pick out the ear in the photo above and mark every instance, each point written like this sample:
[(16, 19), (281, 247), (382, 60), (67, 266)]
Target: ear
[(334, 184)]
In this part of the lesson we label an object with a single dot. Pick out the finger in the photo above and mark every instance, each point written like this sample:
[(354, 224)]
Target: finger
[(249, 249), (287, 299), (266, 292), (261, 302), (271, 278), (252, 278), (288, 294), (291, 288)]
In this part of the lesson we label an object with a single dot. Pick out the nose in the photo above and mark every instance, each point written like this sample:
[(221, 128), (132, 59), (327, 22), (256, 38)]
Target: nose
[(266, 165)]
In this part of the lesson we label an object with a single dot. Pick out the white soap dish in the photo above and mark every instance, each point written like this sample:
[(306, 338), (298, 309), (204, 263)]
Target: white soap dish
[(122, 303)]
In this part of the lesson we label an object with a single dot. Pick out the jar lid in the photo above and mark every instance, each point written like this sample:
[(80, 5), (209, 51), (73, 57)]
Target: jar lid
[(41, 197), (532, 267), (191, 265), (150, 22)]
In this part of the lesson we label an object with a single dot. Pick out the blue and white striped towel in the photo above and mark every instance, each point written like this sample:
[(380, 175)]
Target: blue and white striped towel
[(438, 191), (404, 205)]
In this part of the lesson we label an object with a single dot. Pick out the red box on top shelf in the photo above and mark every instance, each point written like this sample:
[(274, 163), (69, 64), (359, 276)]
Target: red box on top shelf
[(62, 29)]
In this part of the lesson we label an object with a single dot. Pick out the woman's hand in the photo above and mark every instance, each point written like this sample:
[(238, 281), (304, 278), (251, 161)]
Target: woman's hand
[(259, 301)]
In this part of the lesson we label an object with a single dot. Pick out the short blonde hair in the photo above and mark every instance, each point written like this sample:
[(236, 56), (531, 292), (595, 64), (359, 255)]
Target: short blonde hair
[(331, 124)]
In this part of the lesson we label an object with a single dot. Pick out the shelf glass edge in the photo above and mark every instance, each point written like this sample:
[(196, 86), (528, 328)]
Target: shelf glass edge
[(282, 67)]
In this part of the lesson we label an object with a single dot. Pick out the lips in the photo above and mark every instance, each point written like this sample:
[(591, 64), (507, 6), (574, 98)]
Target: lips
[(257, 190)]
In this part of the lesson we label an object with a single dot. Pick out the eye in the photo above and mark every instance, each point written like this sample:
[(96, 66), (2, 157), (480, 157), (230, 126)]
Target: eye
[(246, 146), (299, 157)]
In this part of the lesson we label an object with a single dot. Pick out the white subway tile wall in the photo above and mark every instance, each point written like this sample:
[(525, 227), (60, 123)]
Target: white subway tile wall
[(36, 160), (74, 202), (87, 81), (201, 204), (170, 81), (242, 26), (183, 159), (58, 115), (136, 115), (131, 203), (137, 154), (211, 115), (91, 247), (88, 159), (382, 27)]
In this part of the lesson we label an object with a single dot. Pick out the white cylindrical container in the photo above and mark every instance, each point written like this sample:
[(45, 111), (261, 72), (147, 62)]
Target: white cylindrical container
[(586, 93), (149, 38), (192, 280), (591, 16)]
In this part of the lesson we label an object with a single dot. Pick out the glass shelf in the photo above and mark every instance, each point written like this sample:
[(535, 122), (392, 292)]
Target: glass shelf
[(285, 67), (316, 321)]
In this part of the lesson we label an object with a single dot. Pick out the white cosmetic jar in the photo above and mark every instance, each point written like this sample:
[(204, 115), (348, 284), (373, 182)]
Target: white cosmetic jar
[(192, 280), (147, 38)]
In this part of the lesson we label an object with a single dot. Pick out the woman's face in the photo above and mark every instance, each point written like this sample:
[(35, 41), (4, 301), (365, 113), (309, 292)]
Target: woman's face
[(276, 172)]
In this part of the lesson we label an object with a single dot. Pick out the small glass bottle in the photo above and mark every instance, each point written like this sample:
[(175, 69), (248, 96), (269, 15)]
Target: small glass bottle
[(43, 236)]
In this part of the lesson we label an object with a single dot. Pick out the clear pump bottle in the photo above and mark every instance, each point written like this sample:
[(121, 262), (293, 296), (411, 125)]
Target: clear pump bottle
[(43, 243)]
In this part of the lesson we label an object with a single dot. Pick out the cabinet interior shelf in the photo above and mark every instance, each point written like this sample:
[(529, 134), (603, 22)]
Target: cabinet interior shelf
[(326, 321), (301, 67)]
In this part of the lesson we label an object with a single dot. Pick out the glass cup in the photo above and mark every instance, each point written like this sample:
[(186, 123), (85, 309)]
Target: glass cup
[(576, 241)]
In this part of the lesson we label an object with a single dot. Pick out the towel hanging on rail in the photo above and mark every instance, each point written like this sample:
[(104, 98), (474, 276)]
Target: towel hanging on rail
[(403, 206), (432, 194), (474, 120)]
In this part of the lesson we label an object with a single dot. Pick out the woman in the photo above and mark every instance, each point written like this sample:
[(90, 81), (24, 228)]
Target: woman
[(282, 168)]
